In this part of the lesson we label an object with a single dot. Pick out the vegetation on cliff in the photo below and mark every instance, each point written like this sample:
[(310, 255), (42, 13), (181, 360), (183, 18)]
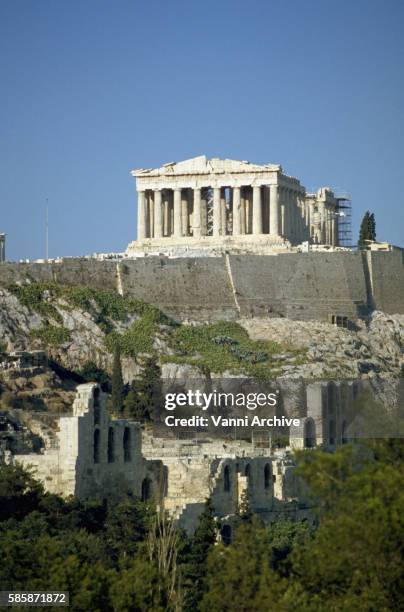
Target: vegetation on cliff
[(226, 346)]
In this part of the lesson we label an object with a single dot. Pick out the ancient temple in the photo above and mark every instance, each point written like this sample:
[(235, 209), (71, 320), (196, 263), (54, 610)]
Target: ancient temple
[(217, 203)]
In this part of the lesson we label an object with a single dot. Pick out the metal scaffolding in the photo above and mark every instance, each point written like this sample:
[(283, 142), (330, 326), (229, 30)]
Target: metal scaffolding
[(344, 211)]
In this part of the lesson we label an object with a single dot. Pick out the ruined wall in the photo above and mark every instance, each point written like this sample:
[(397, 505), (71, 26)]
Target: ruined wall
[(294, 285), (71, 466)]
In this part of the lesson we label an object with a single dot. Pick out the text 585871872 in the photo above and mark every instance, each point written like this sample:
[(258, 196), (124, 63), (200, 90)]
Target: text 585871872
[(34, 598)]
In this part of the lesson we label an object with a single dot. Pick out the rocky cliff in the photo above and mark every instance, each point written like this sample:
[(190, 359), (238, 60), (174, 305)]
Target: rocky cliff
[(77, 325)]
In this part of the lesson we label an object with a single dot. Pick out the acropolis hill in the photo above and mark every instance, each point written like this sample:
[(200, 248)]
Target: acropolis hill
[(224, 239)]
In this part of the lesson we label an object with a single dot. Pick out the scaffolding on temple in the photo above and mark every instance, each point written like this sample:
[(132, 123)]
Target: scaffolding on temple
[(207, 194), (344, 211)]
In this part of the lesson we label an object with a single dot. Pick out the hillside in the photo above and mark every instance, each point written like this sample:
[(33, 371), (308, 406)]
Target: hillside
[(79, 325)]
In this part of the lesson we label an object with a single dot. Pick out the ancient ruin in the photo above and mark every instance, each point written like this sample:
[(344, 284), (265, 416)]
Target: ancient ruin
[(205, 203), (90, 455)]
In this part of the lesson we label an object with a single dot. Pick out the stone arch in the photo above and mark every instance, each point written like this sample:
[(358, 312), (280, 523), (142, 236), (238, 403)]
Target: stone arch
[(309, 433), (96, 445), (226, 478), (146, 489), (111, 445), (344, 432), (331, 398), (96, 405), (127, 450), (226, 534), (267, 476), (332, 431)]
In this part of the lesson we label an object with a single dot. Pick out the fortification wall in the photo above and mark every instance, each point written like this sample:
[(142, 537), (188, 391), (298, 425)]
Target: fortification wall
[(294, 285), (300, 285), (386, 272)]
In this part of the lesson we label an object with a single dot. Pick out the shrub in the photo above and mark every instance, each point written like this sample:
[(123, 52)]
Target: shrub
[(35, 296), (52, 335), (222, 346)]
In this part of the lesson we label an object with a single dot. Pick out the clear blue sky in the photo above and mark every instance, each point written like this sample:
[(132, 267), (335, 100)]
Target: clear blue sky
[(93, 88)]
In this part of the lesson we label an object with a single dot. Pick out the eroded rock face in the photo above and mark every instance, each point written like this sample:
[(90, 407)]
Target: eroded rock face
[(373, 351), (16, 322), (375, 348)]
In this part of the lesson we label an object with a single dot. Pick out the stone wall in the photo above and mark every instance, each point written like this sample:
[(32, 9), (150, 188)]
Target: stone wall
[(92, 456), (295, 285), (386, 272)]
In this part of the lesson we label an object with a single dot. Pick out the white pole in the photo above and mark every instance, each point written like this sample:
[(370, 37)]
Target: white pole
[(47, 231)]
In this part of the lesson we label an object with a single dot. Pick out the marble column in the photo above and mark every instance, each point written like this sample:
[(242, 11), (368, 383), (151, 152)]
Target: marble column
[(274, 211), (216, 211), (196, 220), (184, 212), (236, 211), (150, 215), (177, 213), (223, 214), (336, 221), (257, 211), (307, 219), (166, 215), (141, 215), (295, 217), (204, 216), (158, 218), (322, 218), (243, 225)]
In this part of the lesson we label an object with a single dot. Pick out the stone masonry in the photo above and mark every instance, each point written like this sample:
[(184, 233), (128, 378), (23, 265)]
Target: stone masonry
[(92, 456)]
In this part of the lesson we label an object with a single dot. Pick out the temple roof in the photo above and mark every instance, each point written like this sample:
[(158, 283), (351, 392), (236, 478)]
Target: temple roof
[(202, 165)]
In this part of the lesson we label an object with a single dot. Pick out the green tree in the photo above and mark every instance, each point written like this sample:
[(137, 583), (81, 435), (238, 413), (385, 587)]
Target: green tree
[(92, 373), (372, 222), (195, 570), (117, 383), (367, 229), (354, 561), (239, 577), (145, 397), (20, 493), (137, 588)]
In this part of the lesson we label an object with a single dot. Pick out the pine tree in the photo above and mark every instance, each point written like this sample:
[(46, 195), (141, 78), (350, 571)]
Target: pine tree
[(372, 226), (117, 383), (196, 569), (367, 229), (145, 397)]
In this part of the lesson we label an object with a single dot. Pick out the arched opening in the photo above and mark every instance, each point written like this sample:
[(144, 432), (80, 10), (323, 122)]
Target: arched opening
[(127, 451), (247, 473), (96, 446), (111, 445), (225, 534), (227, 483), (96, 406), (146, 489), (309, 433), (267, 476), (96, 396), (331, 432), (344, 436)]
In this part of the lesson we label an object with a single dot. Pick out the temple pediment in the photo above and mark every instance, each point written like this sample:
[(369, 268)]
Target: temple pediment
[(203, 165)]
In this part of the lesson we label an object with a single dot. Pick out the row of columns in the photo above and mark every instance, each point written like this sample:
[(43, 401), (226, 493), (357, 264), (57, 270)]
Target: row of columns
[(287, 213), (323, 224)]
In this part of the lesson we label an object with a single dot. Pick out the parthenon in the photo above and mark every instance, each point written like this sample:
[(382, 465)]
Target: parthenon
[(215, 203)]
